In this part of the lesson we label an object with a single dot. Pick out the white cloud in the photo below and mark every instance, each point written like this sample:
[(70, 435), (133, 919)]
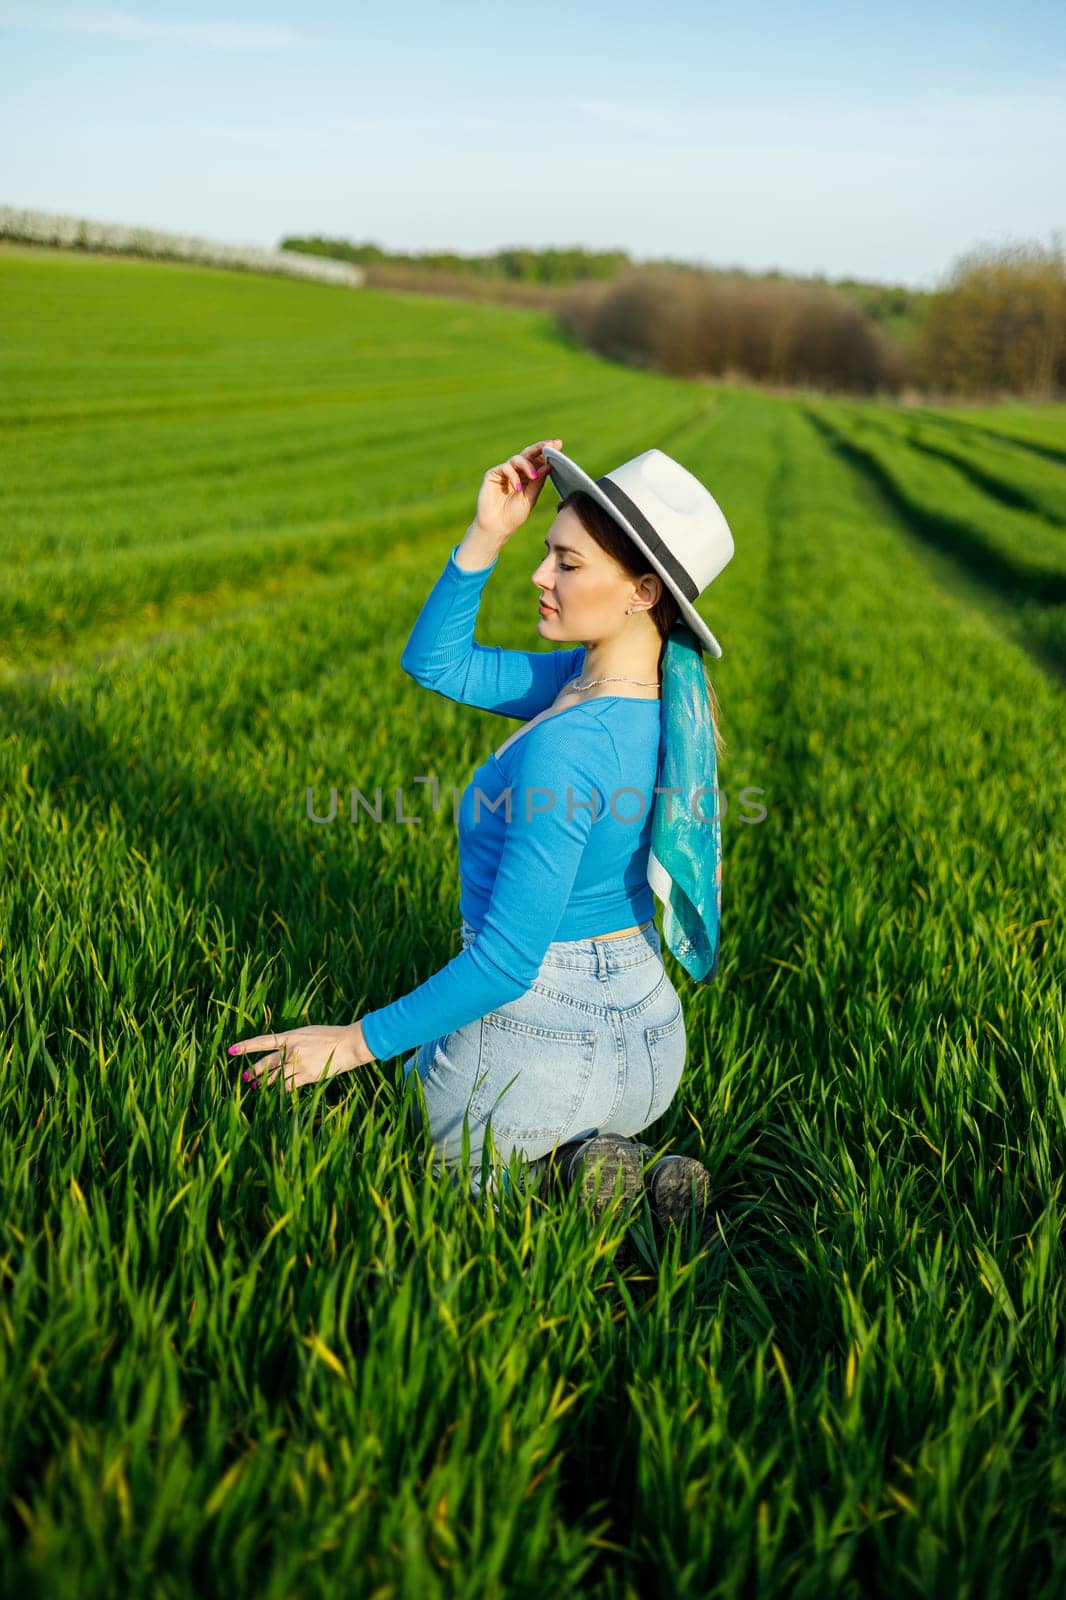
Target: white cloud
[(209, 34)]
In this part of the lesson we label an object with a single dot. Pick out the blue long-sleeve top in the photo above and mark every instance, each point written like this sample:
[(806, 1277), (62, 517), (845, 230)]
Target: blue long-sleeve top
[(539, 864)]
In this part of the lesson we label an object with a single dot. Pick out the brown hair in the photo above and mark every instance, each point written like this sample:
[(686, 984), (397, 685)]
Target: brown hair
[(612, 537)]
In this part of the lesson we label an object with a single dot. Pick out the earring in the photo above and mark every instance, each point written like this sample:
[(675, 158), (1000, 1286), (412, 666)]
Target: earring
[(629, 610)]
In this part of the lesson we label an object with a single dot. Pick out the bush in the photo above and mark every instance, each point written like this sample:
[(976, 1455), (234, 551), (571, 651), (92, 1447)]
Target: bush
[(694, 322), (999, 325)]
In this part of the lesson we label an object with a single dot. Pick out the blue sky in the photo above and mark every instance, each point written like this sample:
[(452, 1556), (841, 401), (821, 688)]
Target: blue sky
[(878, 140)]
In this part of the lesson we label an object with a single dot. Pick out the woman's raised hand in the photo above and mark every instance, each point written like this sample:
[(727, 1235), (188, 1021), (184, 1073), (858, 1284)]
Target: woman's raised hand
[(510, 491)]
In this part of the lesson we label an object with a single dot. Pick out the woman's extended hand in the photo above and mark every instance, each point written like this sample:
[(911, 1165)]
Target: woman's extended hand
[(509, 492), (305, 1054)]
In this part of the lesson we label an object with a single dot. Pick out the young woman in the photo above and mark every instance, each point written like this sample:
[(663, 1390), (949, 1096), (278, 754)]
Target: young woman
[(557, 1025)]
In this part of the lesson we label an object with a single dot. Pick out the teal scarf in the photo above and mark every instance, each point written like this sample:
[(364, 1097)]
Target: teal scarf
[(685, 860)]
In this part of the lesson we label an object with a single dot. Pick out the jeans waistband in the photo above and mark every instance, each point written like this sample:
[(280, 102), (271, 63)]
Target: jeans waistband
[(594, 955)]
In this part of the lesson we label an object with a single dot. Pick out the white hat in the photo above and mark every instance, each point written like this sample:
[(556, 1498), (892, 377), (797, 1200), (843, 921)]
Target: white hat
[(666, 512)]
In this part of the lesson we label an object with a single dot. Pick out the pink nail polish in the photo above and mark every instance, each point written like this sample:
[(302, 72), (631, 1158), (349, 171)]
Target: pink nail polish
[(233, 1049)]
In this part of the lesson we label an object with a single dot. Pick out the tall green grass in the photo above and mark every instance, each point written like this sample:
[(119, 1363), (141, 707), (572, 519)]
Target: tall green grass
[(249, 1339)]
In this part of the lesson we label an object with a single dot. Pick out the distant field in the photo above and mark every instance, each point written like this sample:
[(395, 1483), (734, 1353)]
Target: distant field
[(253, 1343), (993, 506)]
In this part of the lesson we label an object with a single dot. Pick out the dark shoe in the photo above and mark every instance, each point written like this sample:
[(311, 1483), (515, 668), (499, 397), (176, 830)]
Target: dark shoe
[(595, 1164), (679, 1188)]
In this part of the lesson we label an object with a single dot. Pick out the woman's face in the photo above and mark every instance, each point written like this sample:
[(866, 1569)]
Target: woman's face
[(585, 587)]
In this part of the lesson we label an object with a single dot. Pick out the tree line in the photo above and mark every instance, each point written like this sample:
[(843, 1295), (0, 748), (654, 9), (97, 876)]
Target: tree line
[(517, 265), (996, 327)]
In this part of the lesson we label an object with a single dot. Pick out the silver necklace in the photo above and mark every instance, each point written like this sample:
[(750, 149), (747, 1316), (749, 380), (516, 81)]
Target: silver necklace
[(646, 683)]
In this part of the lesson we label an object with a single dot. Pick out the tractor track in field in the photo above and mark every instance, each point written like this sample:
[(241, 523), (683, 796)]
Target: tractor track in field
[(1047, 451), (988, 483), (951, 538), (786, 749), (981, 582)]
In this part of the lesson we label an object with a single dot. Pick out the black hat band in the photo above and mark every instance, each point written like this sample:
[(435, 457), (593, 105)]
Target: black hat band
[(662, 552)]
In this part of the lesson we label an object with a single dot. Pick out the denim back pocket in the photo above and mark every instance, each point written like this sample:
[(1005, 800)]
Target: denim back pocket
[(666, 1045), (531, 1080)]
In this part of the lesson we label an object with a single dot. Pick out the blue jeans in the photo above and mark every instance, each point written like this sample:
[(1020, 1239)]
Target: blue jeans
[(595, 1045)]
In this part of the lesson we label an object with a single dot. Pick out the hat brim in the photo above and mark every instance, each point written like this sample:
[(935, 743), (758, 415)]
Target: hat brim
[(567, 476)]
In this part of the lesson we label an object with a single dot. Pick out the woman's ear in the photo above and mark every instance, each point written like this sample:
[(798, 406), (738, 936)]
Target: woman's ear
[(651, 588)]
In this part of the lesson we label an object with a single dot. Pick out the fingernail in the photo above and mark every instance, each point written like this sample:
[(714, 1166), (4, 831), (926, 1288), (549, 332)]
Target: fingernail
[(233, 1049), (246, 1077)]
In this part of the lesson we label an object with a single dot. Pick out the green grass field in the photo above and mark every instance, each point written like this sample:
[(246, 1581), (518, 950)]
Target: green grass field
[(247, 1343)]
